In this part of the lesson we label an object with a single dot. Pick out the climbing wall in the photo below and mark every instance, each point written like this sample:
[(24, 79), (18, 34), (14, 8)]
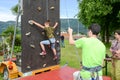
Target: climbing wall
[(40, 11)]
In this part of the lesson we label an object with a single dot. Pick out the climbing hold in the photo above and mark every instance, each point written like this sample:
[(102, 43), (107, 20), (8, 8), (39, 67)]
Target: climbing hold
[(44, 65), (30, 22), (43, 33), (28, 67), (28, 33), (52, 8), (57, 41), (57, 33), (39, 8), (32, 46)]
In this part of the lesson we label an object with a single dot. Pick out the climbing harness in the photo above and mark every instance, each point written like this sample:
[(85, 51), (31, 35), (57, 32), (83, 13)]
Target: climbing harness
[(93, 70)]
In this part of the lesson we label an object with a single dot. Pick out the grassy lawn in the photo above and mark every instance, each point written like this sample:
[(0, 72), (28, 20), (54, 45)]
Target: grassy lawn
[(1, 76), (72, 55)]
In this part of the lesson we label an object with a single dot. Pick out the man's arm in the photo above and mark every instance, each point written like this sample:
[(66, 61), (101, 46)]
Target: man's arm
[(71, 40), (38, 24), (56, 24)]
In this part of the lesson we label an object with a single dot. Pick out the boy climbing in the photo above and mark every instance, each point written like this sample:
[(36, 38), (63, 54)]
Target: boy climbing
[(50, 34)]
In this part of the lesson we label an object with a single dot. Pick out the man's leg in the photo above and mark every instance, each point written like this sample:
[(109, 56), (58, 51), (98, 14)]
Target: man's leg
[(76, 75), (63, 44)]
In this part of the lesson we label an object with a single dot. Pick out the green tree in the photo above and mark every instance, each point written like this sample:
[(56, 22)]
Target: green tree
[(14, 9), (104, 12), (9, 32)]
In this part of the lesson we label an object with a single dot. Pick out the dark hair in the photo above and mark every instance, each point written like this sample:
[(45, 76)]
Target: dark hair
[(118, 32), (48, 21), (95, 28)]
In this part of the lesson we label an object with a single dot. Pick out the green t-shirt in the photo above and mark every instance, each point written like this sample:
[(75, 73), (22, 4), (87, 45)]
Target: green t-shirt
[(93, 54), (49, 32)]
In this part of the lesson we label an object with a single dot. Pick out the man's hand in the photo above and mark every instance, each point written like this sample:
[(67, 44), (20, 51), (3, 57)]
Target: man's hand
[(117, 53), (70, 30), (71, 40)]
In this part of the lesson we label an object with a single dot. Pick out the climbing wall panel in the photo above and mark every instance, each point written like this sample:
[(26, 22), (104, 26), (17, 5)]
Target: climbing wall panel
[(40, 11)]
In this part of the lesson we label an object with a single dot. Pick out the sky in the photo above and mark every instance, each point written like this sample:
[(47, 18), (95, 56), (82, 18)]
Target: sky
[(68, 9)]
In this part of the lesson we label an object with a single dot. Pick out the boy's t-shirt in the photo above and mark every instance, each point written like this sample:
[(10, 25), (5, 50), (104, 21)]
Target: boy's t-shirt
[(93, 54), (49, 32)]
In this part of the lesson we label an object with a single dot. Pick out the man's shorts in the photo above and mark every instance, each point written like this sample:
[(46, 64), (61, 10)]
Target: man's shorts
[(48, 42), (76, 76)]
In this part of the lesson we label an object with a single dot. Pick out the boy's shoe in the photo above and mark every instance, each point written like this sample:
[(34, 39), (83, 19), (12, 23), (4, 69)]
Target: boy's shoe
[(55, 57), (43, 53)]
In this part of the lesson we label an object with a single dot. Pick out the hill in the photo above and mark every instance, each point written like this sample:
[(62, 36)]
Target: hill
[(65, 23), (74, 24), (4, 25)]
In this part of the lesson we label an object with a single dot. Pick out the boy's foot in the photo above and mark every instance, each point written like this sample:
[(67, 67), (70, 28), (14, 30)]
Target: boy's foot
[(43, 53), (55, 57)]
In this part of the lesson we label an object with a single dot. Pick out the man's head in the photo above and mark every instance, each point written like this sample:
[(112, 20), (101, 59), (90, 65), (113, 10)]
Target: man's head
[(94, 29), (47, 23), (117, 34)]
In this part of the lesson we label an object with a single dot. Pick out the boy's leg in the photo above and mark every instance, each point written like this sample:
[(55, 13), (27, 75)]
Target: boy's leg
[(42, 43), (42, 46), (52, 40), (43, 49), (54, 52)]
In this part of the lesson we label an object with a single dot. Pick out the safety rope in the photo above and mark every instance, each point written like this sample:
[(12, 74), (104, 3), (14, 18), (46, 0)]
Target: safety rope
[(68, 21), (47, 10), (78, 57)]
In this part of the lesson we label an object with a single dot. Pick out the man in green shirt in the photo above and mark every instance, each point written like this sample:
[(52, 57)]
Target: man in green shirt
[(93, 54)]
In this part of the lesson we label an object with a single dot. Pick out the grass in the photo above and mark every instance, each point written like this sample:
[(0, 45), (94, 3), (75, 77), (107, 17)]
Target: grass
[(1, 76), (72, 56)]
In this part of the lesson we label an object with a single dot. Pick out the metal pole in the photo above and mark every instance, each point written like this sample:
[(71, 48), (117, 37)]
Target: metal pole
[(105, 67), (16, 25)]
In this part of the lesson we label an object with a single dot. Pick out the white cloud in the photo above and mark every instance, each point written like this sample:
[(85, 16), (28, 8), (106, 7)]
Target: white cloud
[(6, 14)]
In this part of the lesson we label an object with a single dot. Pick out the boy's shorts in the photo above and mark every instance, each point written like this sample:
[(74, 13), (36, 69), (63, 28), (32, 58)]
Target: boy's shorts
[(50, 41)]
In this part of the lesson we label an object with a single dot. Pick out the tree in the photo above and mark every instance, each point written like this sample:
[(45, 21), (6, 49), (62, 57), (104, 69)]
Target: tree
[(9, 32), (14, 9), (104, 12)]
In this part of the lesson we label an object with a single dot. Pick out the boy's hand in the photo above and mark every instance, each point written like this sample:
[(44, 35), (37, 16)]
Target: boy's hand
[(31, 22), (56, 23)]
